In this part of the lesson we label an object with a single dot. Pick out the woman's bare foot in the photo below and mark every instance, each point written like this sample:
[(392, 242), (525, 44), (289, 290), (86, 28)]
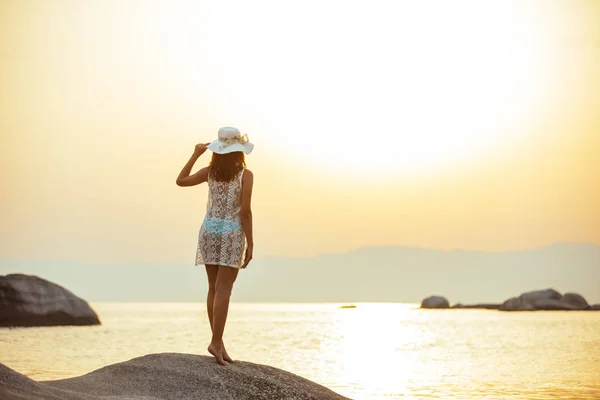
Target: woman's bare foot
[(226, 356), (217, 352)]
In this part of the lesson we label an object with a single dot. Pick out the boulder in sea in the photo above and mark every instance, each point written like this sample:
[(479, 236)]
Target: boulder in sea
[(536, 295), (483, 306), (554, 305), (435, 302), (516, 304), (28, 300), (169, 376), (548, 299), (575, 300)]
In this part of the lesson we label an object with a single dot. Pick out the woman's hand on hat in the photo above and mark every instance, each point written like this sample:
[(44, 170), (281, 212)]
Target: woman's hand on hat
[(200, 148)]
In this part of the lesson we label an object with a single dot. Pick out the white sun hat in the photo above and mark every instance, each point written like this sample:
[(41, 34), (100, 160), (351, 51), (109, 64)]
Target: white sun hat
[(230, 140)]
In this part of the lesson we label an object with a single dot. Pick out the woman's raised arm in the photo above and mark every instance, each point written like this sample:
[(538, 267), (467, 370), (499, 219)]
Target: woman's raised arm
[(184, 178)]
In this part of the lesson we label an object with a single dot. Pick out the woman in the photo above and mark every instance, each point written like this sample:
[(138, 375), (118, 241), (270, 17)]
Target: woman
[(226, 232)]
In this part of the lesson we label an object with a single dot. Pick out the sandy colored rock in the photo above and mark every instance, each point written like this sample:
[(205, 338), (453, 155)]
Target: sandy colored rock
[(167, 376)]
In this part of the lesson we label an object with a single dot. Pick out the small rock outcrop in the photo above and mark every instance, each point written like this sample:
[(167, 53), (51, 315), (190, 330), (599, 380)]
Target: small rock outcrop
[(554, 305), (27, 300), (484, 306), (548, 299), (435, 302), (516, 304), (545, 300), (167, 376), (535, 295), (575, 300)]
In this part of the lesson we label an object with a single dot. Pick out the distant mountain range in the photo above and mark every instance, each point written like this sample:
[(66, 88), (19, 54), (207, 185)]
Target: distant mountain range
[(372, 274)]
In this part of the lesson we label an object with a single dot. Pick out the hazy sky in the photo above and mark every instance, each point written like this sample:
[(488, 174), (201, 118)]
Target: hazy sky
[(472, 125)]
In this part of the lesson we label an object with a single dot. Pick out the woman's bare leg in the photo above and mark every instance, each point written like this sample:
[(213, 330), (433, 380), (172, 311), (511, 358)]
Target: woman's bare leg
[(224, 285), (212, 273)]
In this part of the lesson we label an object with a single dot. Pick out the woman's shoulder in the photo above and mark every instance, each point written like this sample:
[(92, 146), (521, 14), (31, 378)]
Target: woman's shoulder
[(247, 175)]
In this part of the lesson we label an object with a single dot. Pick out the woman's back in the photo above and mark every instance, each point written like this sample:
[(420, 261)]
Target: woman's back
[(225, 198), (225, 241), (221, 239)]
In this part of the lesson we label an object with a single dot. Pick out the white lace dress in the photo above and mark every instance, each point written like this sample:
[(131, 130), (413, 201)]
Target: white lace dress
[(221, 240)]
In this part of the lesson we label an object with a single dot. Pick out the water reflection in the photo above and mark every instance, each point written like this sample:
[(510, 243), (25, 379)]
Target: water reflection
[(368, 352)]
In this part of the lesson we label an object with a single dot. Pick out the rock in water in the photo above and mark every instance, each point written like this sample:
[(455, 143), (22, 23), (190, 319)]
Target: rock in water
[(482, 306), (548, 294), (169, 376), (554, 305), (27, 300), (435, 302), (575, 300), (548, 299), (516, 304)]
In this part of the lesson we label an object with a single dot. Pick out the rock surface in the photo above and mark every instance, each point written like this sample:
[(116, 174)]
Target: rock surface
[(548, 299), (485, 306), (551, 304), (169, 376), (516, 304), (575, 300), (435, 302), (535, 295), (27, 300)]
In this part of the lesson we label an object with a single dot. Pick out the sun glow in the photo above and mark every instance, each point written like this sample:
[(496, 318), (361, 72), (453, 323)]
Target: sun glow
[(396, 85), (377, 350)]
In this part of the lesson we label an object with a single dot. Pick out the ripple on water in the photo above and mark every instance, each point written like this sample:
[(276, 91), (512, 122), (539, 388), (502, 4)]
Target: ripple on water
[(374, 351)]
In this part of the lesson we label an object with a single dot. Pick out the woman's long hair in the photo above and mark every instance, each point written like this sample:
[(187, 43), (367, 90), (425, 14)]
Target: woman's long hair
[(224, 167)]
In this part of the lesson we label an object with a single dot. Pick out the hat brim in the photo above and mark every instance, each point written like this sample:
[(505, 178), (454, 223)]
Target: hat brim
[(221, 148)]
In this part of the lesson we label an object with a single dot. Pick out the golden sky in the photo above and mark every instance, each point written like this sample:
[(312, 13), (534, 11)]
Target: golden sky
[(442, 124)]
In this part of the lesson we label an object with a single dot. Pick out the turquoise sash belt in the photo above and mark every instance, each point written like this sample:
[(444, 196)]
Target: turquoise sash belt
[(218, 226)]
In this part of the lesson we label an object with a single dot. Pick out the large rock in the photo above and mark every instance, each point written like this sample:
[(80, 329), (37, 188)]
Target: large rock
[(551, 304), (435, 302), (27, 300), (548, 294), (485, 306), (548, 299), (575, 300), (169, 376), (595, 307), (516, 304)]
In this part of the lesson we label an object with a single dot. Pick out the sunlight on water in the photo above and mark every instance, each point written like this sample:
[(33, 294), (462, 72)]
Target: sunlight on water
[(369, 352)]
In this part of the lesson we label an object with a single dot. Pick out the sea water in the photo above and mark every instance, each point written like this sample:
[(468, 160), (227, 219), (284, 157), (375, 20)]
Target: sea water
[(373, 351)]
